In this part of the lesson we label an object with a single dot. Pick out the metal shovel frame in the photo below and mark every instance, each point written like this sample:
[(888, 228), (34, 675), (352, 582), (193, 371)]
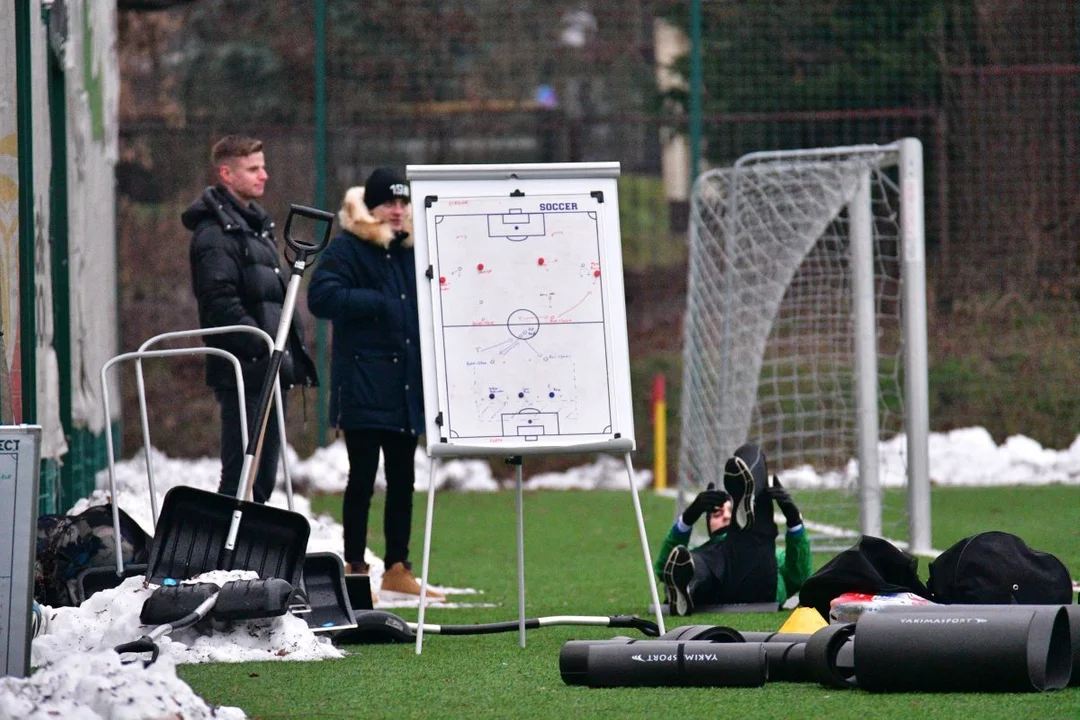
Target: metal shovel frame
[(202, 332), (139, 355)]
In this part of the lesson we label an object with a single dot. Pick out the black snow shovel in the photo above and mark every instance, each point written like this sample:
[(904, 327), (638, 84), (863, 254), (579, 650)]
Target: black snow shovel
[(172, 607), (199, 530), (325, 589)]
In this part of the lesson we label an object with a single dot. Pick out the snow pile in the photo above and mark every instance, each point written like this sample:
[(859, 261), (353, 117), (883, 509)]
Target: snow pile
[(96, 685), (111, 617), (968, 457)]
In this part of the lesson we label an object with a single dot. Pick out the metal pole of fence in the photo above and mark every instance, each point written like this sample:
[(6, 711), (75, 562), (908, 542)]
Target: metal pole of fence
[(695, 89), (27, 291), (695, 149), (322, 363)]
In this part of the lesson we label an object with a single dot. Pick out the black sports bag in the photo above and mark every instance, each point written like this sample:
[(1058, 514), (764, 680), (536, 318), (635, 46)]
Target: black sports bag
[(998, 568)]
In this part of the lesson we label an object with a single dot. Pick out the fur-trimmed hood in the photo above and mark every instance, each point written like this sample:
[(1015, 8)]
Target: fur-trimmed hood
[(356, 218)]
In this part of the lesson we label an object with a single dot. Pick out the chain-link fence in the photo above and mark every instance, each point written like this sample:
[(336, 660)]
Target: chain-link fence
[(990, 87)]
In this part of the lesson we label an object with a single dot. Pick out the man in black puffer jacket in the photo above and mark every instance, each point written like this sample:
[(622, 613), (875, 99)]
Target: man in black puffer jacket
[(237, 279)]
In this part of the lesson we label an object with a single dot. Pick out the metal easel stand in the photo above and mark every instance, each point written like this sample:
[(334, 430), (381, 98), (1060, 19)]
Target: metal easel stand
[(516, 461)]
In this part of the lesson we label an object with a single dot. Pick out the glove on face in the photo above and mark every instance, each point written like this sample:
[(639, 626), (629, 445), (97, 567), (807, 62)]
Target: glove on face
[(707, 500), (783, 501)]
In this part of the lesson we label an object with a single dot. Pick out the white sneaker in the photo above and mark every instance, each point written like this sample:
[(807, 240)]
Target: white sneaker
[(678, 572)]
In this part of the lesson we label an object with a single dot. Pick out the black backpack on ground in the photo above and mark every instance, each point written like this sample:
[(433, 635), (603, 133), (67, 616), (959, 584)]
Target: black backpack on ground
[(873, 566), (998, 568), (68, 545)]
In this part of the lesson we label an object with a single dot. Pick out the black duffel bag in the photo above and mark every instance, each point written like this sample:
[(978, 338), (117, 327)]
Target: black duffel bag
[(998, 568)]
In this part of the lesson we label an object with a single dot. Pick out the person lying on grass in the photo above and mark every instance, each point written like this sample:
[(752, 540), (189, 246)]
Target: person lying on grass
[(740, 562)]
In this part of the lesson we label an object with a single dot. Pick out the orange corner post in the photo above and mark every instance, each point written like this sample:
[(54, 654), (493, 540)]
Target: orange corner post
[(659, 418)]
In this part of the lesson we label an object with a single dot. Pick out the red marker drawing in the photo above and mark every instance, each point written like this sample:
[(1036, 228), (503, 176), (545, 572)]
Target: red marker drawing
[(480, 267), (596, 273), (540, 261), (442, 279)]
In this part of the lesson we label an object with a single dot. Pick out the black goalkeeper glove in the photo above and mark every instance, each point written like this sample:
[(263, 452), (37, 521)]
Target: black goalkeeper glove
[(783, 501), (707, 500)]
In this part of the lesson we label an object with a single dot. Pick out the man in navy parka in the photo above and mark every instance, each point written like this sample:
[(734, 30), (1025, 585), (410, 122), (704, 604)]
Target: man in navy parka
[(365, 283)]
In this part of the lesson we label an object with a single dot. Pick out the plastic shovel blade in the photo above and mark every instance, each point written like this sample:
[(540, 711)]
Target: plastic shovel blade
[(324, 585), (193, 528)]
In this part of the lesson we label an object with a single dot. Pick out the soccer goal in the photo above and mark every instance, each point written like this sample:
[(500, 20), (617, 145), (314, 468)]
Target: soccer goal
[(806, 333)]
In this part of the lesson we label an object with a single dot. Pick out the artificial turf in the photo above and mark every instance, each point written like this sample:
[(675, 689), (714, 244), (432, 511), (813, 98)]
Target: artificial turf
[(583, 557)]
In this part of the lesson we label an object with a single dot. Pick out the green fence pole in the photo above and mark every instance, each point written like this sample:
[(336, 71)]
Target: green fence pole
[(695, 90), (60, 260), (321, 359), (25, 133)]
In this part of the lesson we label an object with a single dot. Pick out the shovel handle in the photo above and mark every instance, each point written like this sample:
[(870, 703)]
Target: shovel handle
[(303, 249), (648, 627)]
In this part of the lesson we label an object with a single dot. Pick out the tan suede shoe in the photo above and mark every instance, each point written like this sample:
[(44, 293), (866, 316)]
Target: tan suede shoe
[(399, 578)]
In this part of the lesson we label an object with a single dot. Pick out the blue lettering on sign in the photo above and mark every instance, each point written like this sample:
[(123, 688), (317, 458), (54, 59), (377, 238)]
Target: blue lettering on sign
[(558, 206)]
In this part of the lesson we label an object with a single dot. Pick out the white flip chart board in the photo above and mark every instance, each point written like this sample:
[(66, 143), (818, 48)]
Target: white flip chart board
[(522, 308)]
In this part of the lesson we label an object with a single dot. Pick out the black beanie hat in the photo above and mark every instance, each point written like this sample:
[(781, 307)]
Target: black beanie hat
[(384, 184)]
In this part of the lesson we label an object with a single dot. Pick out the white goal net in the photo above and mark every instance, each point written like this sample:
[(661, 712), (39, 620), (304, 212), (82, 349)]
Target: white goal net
[(806, 333)]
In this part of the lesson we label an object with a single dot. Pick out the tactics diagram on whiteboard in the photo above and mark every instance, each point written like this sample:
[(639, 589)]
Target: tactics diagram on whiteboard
[(521, 316)]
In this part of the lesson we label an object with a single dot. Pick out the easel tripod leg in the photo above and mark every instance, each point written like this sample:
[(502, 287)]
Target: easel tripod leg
[(427, 553), (644, 545), (520, 553)]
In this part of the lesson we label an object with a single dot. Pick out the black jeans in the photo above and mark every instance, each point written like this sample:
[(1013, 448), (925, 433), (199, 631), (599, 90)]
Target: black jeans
[(398, 451), (233, 447)]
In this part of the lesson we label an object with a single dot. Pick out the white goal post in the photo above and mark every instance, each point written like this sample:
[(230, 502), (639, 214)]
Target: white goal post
[(805, 332)]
